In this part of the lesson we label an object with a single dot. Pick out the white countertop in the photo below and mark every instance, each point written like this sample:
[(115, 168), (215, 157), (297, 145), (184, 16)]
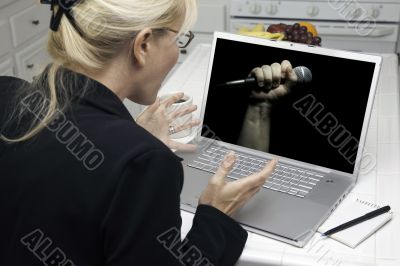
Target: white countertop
[(382, 184)]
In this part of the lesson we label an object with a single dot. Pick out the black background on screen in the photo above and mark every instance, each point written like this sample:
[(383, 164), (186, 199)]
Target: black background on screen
[(341, 85)]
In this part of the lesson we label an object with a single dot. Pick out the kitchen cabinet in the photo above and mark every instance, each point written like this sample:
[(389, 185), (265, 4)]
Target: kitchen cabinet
[(6, 67), (24, 25), (213, 15)]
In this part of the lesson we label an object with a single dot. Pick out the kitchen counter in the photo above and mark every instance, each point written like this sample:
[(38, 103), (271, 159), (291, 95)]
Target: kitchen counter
[(380, 185)]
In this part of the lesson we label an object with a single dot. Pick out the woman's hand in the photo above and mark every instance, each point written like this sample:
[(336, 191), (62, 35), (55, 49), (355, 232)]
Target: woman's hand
[(269, 80), (155, 120), (228, 197)]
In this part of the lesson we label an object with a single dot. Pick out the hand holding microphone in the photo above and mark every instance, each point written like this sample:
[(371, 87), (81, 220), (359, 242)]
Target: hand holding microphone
[(271, 82), (266, 85)]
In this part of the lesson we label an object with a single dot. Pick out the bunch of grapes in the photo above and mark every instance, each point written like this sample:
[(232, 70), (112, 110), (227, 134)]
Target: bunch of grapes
[(299, 34)]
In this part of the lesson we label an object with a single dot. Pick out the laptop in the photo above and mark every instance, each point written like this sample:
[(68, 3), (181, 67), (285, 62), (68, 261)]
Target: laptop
[(316, 130)]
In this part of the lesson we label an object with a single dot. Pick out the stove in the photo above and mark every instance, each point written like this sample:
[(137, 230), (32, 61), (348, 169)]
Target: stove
[(367, 25)]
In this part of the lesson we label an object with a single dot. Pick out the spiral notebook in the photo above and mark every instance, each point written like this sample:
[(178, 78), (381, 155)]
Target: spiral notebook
[(349, 210)]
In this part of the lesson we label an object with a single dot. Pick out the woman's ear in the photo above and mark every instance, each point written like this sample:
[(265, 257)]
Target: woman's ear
[(141, 46)]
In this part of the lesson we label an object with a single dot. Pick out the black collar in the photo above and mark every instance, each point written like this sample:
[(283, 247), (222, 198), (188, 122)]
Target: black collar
[(98, 95)]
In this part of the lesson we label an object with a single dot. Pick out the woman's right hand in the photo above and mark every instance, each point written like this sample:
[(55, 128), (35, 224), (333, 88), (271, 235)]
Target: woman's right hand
[(229, 197)]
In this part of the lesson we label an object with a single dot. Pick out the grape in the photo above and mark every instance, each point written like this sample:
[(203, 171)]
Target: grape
[(285, 36), (303, 38), (300, 34), (317, 40)]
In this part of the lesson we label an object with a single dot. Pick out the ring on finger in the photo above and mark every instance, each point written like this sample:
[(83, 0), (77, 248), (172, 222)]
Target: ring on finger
[(171, 130)]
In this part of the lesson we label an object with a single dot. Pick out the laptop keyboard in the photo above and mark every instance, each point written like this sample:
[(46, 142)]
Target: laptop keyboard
[(285, 178)]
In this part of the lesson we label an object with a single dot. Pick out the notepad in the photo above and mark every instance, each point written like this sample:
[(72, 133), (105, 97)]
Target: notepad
[(349, 210)]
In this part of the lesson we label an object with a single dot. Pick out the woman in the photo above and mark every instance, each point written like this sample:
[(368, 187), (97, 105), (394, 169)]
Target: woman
[(81, 182)]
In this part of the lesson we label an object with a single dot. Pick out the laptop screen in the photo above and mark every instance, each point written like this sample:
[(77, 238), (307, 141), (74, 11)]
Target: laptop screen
[(318, 123)]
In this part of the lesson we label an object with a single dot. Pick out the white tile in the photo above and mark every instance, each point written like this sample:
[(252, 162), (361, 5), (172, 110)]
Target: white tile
[(372, 137), (388, 85), (256, 248), (373, 123), (388, 130), (388, 81), (387, 240), (257, 242), (368, 160), (366, 183), (255, 258), (388, 190), (330, 252), (390, 65), (387, 262), (388, 159), (388, 105)]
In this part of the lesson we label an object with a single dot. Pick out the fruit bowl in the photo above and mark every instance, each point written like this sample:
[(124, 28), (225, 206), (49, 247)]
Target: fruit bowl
[(302, 32), (259, 31)]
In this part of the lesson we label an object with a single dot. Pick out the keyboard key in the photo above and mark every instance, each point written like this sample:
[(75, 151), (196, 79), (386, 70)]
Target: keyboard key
[(304, 180), (302, 193), (267, 185), (284, 188), (299, 190), (304, 186)]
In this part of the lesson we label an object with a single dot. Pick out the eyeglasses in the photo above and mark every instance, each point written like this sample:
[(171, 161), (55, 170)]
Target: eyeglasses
[(182, 40)]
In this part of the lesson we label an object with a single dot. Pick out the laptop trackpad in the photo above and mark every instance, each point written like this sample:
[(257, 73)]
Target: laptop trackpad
[(268, 210), (281, 214)]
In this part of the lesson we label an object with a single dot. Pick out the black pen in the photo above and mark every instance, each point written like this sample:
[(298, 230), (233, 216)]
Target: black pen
[(358, 220)]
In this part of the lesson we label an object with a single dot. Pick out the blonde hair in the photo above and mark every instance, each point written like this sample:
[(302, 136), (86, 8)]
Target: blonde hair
[(106, 27)]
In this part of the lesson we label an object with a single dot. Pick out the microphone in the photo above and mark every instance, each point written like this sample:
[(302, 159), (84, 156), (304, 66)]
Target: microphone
[(303, 74)]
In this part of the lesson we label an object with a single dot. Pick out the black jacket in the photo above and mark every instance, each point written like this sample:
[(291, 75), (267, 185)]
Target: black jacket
[(94, 188)]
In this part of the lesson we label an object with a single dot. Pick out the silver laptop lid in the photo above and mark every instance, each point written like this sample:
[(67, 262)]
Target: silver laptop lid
[(323, 123)]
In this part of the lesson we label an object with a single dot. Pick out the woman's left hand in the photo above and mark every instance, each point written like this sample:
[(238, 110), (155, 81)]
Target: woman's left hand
[(155, 120)]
